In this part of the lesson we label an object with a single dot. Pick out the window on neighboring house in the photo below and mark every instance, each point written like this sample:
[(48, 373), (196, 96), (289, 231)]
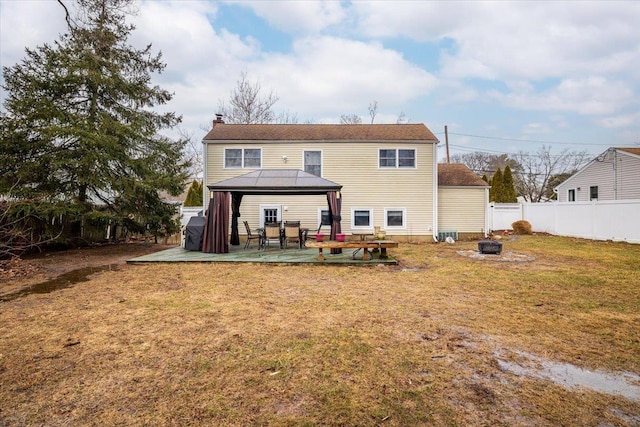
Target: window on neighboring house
[(593, 192), (394, 218), (313, 162), (361, 218), (397, 158), (571, 195), (243, 158)]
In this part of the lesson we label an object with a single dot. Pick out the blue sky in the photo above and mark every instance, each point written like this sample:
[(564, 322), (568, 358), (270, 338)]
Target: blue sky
[(503, 76)]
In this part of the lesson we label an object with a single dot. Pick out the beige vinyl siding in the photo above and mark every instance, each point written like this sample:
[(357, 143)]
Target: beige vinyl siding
[(354, 165), (462, 209)]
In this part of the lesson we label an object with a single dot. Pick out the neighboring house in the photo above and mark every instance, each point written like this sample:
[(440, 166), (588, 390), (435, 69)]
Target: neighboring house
[(463, 198), (613, 175), (388, 174)]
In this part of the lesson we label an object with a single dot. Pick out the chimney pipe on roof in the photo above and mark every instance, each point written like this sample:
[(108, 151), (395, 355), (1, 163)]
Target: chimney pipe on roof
[(218, 119)]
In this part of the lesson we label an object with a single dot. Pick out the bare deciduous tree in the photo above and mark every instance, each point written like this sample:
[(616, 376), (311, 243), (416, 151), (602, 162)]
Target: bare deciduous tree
[(373, 110), (402, 119), (484, 163), (247, 105), (350, 119), (192, 154), (535, 172)]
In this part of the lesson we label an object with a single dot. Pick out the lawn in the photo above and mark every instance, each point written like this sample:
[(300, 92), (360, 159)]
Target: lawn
[(427, 342)]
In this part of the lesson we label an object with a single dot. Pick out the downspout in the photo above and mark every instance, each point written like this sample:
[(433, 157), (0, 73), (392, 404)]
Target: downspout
[(205, 189), (434, 230), (487, 214)]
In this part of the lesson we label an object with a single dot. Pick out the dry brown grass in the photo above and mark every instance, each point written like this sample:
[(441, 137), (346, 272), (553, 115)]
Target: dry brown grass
[(246, 344)]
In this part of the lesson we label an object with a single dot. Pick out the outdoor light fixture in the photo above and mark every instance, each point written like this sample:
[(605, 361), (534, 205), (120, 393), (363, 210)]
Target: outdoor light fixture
[(284, 159)]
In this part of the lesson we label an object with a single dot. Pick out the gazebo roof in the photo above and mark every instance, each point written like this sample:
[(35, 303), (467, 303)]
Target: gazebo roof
[(276, 181)]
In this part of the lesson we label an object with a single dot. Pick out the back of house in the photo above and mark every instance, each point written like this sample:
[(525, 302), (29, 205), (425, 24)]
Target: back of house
[(388, 173)]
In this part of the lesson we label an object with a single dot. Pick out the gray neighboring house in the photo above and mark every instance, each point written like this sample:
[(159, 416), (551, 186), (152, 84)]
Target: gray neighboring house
[(613, 175)]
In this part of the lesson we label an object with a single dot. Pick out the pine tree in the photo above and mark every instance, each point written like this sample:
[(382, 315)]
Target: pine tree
[(509, 191), (194, 195), (79, 126), (496, 191)]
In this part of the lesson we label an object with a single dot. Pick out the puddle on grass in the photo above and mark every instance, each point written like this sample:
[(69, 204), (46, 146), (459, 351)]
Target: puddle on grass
[(65, 280), (625, 384)]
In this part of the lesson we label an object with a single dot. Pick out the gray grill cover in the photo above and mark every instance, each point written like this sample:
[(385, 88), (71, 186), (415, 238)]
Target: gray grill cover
[(194, 233)]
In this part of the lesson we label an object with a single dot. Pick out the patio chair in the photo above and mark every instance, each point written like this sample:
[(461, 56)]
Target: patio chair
[(251, 236), (272, 232), (292, 233)]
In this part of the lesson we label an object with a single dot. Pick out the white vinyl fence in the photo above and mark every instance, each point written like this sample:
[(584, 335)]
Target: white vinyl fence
[(616, 220), (187, 212)]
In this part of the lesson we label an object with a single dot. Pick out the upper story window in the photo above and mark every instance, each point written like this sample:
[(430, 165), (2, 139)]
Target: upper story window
[(397, 158), (313, 162), (571, 195), (243, 158), (593, 193)]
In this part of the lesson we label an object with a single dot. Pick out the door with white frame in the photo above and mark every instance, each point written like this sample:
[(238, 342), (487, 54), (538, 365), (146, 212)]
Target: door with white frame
[(270, 213)]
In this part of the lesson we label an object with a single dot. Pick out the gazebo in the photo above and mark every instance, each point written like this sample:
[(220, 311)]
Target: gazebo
[(262, 182)]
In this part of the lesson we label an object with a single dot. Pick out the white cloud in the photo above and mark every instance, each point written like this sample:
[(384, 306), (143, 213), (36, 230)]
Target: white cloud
[(589, 96), (28, 24), (328, 74), (619, 121), (298, 16)]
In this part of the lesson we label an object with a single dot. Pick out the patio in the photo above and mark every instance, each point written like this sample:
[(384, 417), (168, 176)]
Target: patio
[(269, 255)]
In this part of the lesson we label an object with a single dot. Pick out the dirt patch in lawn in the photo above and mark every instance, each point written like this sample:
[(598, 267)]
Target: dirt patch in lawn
[(19, 274)]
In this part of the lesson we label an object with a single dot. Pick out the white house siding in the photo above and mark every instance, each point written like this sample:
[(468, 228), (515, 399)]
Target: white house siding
[(354, 165), (628, 176), (617, 175), (462, 209)]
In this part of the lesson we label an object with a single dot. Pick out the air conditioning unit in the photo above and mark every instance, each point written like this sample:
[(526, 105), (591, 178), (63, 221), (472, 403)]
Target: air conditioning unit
[(443, 234)]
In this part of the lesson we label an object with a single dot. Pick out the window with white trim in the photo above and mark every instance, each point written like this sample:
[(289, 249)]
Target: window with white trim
[(397, 158), (235, 158), (593, 192), (361, 218), (571, 195), (395, 218), (313, 162)]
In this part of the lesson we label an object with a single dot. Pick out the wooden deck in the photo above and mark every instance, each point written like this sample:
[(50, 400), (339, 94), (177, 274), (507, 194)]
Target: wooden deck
[(253, 255)]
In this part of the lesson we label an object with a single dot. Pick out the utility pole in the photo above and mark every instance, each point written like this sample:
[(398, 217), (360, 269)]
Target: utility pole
[(446, 141)]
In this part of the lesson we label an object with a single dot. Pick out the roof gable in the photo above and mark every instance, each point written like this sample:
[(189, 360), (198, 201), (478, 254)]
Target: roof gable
[(632, 151), (320, 132), (458, 175)]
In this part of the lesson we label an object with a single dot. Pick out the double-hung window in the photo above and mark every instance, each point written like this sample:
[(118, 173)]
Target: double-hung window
[(313, 162), (395, 218), (361, 218), (250, 158), (593, 192), (397, 158)]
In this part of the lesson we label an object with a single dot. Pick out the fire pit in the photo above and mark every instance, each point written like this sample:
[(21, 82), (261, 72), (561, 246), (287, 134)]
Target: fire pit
[(489, 247)]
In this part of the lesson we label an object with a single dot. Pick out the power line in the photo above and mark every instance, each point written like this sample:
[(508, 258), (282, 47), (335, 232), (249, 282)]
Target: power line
[(497, 138)]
